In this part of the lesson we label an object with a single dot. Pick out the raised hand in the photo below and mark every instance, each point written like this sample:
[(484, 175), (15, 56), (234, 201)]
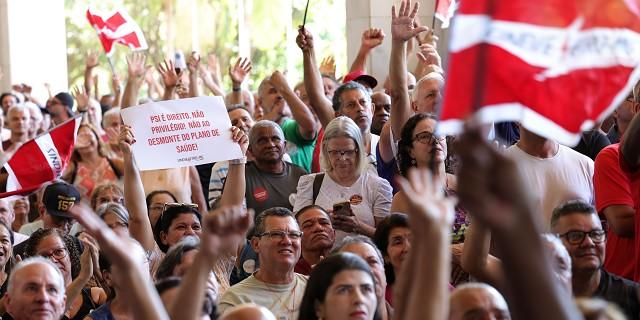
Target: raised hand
[(136, 67), (402, 24), (193, 62), (240, 70), (428, 55), (224, 229), (238, 136), (168, 73), (90, 255), (126, 138), (372, 38), (279, 81), (91, 60), (328, 66), (304, 40), (213, 65), (426, 199), (116, 84), (82, 98)]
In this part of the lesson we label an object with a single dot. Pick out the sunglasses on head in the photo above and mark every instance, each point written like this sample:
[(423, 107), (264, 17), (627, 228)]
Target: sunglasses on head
[(170, 205)]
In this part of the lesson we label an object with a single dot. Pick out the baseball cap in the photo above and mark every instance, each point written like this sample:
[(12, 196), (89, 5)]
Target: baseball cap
[(59, 197), (360, 75)]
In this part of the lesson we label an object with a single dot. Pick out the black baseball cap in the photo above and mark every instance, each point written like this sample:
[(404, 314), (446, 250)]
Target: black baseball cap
[(59, 197)]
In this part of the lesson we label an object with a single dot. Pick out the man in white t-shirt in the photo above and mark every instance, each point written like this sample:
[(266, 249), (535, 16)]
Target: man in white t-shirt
[(275, 285), (553, 173)]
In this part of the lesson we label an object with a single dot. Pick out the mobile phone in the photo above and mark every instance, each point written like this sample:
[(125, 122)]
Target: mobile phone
[(343, 208)]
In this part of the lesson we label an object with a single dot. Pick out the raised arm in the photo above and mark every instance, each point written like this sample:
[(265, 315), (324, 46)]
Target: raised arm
[(629, 145), (90, 62), (424, 286), (371, 38), (313, 79), (491, 189), (238, 73), (116, 88), (211, 75), (223, 229), (303, 116), (134, 197), (476, 258), (140, 291), (235, 184), (193, 64), (169, 77), (135, 69)]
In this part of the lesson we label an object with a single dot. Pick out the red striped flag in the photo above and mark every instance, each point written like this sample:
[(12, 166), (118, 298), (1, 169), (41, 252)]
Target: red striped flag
[(119, 27), (556, 66), (41, 160)]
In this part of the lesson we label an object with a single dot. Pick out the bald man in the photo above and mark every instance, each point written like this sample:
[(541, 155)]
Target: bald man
[(477, 301), (248, 311)]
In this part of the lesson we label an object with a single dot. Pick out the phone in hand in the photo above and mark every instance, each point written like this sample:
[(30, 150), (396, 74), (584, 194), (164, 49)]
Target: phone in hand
[(342, 208)]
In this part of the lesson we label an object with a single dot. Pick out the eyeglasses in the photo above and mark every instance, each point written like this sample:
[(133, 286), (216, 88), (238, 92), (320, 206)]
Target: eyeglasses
[(427, 137), (577, 237), (57, 254), (279, 235), (169, 205), (338, 154)]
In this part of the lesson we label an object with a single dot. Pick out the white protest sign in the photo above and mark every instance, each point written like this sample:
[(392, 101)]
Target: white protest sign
[(180, 133)]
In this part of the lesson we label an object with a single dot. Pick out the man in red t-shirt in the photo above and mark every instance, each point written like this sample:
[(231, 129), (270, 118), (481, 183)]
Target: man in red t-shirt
[(630, 164), (615, 202)]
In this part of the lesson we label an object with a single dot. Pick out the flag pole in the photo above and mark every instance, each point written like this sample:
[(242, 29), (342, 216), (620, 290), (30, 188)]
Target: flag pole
[(113, 70)]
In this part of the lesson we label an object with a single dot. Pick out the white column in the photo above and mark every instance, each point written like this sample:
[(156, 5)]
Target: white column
[(364, 14), (33, 44)]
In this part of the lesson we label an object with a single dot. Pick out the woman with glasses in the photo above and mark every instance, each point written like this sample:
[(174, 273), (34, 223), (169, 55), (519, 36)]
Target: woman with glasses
[(115, 216), (64, 252), (90, 163), (360, 198), (419, 147), (6, 259)]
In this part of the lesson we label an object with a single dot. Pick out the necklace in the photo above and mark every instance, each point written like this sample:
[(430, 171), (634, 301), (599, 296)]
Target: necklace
[(280, 302)]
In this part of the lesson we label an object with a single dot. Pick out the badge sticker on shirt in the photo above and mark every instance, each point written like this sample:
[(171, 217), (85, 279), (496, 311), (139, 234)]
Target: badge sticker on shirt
[(355, 199), (260, 194)]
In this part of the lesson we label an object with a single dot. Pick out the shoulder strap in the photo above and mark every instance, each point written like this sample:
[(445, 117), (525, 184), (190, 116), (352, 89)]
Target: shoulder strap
[(317, 182), (114, 168)]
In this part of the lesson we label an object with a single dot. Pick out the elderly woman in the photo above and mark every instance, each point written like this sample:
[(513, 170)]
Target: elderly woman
[(361, 199)]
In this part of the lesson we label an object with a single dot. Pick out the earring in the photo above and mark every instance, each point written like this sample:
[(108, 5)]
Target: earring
[(413, 162)]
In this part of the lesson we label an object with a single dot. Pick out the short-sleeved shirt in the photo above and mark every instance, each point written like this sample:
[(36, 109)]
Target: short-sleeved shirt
[(620, 291), (611, 188), (370, 197), (299, 148), (634, 183), (283, 300), (266, 190)]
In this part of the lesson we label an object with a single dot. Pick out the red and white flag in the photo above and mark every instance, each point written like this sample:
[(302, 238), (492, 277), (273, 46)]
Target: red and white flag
[(444, 11), (556, 66), (41, 160), (116, 26)]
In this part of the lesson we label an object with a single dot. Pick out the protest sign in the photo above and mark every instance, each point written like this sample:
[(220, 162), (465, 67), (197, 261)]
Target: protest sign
[(179, 133)]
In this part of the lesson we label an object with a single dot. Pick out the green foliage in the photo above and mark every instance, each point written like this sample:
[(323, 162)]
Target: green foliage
[(168, 25)]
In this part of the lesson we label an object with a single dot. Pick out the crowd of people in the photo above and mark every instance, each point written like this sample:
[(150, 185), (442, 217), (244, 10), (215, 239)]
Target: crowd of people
[(346, 203)]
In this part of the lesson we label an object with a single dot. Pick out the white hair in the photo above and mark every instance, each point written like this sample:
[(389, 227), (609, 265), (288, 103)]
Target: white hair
[(415, 94), (36, 260), (342, 127), (110, 113)]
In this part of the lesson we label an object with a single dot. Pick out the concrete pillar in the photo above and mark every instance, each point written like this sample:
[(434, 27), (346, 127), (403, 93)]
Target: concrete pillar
[(33, 44), (364, 14)]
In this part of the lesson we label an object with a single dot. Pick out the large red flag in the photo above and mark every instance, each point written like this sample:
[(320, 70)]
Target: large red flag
[(116, 26), (41, 160), (557, 66)]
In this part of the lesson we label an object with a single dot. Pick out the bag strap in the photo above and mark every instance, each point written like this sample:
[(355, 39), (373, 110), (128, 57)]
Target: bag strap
[(317, 182)]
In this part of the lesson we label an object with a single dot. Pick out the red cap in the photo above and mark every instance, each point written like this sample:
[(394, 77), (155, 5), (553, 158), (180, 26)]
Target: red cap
[(360, 75)]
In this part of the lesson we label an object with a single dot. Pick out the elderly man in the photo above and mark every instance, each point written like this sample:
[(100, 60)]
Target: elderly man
[(7, 216), (317, 238), (36, 290), (477, 301), (275, 285), (19, 119), (579, 227), (270, 181)]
